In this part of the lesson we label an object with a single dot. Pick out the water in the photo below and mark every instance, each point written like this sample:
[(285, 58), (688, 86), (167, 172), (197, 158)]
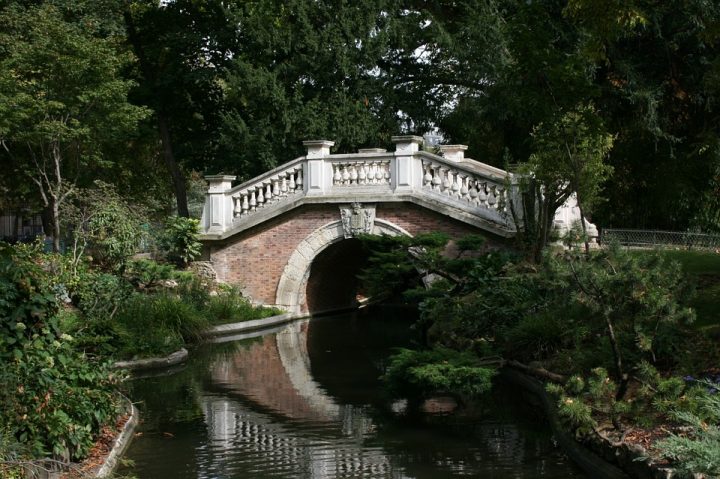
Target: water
[(305, 402)]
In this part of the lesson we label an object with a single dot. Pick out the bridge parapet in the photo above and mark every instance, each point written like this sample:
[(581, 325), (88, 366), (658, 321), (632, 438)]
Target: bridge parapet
[(459, 187)]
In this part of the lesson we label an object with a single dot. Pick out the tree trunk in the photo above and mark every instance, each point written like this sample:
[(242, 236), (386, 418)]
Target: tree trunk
[(617, 356), (582, 224), (56, 225), (172, 166)]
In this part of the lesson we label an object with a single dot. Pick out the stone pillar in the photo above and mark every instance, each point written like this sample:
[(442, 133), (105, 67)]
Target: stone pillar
[(217, 216), (406, 171), (453, 152), (319, 173)]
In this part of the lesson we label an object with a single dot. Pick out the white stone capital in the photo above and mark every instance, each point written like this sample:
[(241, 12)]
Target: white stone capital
[(219, 183), (318, 148), (407, 144), (372, 150), (453, 152)]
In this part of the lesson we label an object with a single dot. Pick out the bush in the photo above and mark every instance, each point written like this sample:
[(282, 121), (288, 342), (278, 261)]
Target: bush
[(230, 306), (535, 337), (157, 324), (417, 374), (102, 222), (179, 241), (54, 399), (698, 451)]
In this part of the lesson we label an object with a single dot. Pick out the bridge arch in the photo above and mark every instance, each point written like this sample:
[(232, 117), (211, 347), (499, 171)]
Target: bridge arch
[(292, 287)]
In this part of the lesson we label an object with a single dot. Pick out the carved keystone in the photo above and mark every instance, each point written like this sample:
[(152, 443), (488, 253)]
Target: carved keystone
[(357, 219)]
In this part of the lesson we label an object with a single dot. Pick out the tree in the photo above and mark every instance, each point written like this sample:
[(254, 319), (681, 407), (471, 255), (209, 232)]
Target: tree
[(302, 70), (568, 159), (62, 99), (182, 49)]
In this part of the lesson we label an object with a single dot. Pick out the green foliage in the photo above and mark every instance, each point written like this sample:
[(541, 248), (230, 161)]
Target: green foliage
[(179, 241), (536, 336), (417, 374), (54, 398), (699, 450), (230, 306), (157, 324), (637, 302), (63, 100), (580, 401), (103, 225), (147, 274)]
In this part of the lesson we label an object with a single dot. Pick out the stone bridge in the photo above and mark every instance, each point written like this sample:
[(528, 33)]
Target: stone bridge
[(287, 236)]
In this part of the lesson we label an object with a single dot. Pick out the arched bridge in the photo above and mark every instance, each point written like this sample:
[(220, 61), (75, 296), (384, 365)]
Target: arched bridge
[(286, 237)]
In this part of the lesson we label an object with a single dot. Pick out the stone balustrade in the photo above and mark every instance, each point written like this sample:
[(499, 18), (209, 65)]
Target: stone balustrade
[(249, 197), (450, 184), (362, 172), (466, 186)]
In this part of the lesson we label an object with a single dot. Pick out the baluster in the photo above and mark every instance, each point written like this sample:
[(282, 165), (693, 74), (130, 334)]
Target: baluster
[(492, 198), (284, 186), (371, 173), (260, 196), (427, 179), (362, 176), (464, 187), (386, 167), (299, 179), (446, 184), (482, 193), (437, 180), (276, 187), (353, 175), (245, 205), (253, 201), (291, 183), (501, 203), (473, 192), (337, 177), (237, 207), (455, 185), (268, 191), (379, 175)]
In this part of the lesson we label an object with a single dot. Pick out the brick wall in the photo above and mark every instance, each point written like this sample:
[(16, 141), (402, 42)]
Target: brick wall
[(255, 258)]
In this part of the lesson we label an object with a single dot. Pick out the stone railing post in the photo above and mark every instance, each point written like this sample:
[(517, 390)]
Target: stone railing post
[(453, 152), (406, 169), (318, 178), (218, 212)]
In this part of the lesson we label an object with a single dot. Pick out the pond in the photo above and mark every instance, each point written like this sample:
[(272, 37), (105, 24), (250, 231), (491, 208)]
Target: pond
[(305, 401)]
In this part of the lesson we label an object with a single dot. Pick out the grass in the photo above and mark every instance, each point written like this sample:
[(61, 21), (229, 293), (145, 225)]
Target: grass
[(231, 307), (704, 267)]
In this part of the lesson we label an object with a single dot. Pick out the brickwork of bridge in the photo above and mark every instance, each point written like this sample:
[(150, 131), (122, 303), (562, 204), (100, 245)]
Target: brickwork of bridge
[(287, 237)]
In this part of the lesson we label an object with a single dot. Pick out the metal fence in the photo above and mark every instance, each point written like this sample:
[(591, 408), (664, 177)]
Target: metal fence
[(652, 239)]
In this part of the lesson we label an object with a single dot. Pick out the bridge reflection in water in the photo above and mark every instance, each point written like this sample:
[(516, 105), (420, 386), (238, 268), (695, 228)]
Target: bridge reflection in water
[(304, 403)]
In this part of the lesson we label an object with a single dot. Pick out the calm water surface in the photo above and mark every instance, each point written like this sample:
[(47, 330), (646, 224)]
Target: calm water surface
[(305, 402)]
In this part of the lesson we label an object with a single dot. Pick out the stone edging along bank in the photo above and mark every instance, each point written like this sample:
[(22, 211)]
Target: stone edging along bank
[(598, 458), (121, 442), (181, 355)]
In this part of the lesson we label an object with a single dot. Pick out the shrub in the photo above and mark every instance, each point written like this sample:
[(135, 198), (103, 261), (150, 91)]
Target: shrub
[(698, 451), (230, 306), (147, 274), (416, 374), (157, 324), (102, 222), (536, 336), (54, 398), (179, 240)]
